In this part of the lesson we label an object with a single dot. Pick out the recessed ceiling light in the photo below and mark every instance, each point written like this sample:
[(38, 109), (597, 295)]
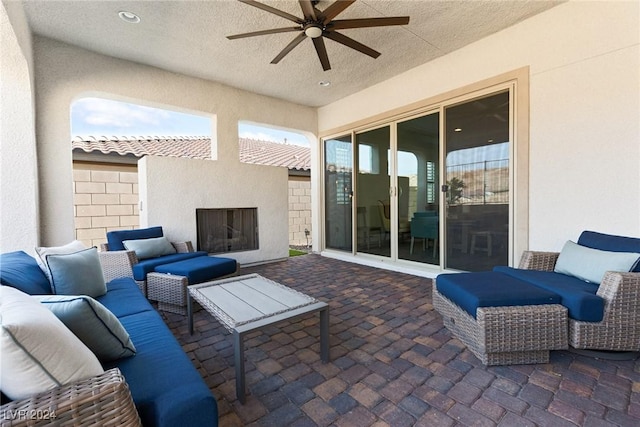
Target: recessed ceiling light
[(324, 83), (457, 130), (129, 17)]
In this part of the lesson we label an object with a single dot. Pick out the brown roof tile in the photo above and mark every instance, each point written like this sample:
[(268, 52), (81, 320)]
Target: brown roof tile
[(251, 151)]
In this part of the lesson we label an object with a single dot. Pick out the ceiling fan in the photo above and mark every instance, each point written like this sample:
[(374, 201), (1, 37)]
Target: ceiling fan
[(316, 25)]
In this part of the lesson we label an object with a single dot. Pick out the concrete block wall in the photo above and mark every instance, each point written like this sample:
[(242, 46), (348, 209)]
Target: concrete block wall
[(105, 198), (299, 210)]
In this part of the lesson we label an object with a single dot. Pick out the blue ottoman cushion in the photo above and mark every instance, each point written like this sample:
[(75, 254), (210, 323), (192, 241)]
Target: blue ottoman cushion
[(146, 266), (200, 269), (577, 295), (491, 289)]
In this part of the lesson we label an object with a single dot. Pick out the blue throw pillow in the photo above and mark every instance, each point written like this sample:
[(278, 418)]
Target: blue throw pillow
[(79, 273), (93, 324), (591, 264), (116, 237), (21, 271), (150, 248)]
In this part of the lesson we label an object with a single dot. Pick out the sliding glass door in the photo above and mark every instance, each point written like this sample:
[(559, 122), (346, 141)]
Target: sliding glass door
[(418, 189), (433, 188), (477, 146), (373, 197), (338, 193)]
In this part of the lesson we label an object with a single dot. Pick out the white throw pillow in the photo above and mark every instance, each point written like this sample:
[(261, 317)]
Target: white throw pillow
[(38, 352), (43, 251), (93, 323), (78, 273), (591, 264), (150, 248)]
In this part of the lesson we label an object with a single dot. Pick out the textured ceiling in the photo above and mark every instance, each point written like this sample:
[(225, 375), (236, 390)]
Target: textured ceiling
[(189, 37)]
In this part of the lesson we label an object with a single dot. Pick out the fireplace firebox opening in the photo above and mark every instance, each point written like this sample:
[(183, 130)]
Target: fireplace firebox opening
[(227, 230)]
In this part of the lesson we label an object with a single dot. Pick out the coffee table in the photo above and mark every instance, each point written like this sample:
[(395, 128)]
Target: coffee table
[(247, 303)]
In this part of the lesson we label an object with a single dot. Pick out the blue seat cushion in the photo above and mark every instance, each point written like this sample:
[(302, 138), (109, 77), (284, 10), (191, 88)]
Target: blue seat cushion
[(612, 243), (116, 237), (21, 271), (145, 266), (577, 295), (491, 289), (166, 387), (200, 269), (124, 298)]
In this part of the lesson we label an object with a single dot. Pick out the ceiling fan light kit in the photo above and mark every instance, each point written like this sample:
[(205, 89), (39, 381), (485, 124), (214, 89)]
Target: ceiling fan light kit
[(320, 24)]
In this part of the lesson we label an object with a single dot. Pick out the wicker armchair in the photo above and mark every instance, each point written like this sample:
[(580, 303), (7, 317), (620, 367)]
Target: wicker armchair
[(619, 330), (102, 400), (118, 263)]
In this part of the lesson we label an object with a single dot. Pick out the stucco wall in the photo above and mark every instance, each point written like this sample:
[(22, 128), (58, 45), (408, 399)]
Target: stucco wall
[(584, 58), (171, 199), (18, 161), (64, 72)]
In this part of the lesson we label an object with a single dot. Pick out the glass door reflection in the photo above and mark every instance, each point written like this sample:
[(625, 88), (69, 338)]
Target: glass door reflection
[(477, 145), (338, 193), (418, 189), (374, 211)]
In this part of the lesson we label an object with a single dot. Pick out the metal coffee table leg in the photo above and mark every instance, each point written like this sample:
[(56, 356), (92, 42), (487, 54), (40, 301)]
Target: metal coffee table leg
[(190, 312), (238, 346)]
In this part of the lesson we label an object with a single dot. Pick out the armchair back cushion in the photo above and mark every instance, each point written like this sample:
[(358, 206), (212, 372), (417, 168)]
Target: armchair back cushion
[(115, 238), (609, 242), (17, 270)]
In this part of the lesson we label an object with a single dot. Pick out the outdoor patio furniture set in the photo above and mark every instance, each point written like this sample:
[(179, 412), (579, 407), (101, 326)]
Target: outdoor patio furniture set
[(586, 297), (163, 270), (105, 355)]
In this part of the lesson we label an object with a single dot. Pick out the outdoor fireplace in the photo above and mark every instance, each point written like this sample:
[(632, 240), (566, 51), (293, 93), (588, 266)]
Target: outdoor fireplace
[(227, 230)]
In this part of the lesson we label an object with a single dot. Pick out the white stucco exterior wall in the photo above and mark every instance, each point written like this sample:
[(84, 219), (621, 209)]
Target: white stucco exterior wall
[(64, 73), (171, 199), (18, 158), (584, 153)]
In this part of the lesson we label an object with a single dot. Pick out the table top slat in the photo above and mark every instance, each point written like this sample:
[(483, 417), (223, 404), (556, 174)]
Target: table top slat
[(260, 299), (286, 296), (233, 306)]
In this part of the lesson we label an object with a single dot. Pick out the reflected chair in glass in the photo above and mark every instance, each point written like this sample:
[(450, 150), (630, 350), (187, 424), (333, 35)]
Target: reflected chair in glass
[(425, 228), (384, 209)]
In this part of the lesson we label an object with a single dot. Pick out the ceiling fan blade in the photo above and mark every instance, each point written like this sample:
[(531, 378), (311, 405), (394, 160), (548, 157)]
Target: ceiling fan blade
[(295, 42), (349, 42), (264, 32), (342, 24), (318, 42), (273, 10), (307, 9), (336, 8)]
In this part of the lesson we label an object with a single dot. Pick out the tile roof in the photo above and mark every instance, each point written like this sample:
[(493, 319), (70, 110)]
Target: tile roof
[(197, 147)]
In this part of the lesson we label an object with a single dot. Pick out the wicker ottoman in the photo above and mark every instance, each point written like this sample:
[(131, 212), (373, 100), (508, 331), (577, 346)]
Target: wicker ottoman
[(503, 333), (168, 283)]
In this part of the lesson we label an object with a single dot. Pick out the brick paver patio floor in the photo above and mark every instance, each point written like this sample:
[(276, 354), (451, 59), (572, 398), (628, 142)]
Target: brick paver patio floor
[(393, 363)]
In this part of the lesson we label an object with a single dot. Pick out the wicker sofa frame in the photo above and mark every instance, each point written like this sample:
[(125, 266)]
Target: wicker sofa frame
[(102, 400), (619, 329)]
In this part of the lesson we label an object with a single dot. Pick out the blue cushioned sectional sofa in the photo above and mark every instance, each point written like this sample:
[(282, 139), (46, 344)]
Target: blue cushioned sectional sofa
[(165, 386)]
